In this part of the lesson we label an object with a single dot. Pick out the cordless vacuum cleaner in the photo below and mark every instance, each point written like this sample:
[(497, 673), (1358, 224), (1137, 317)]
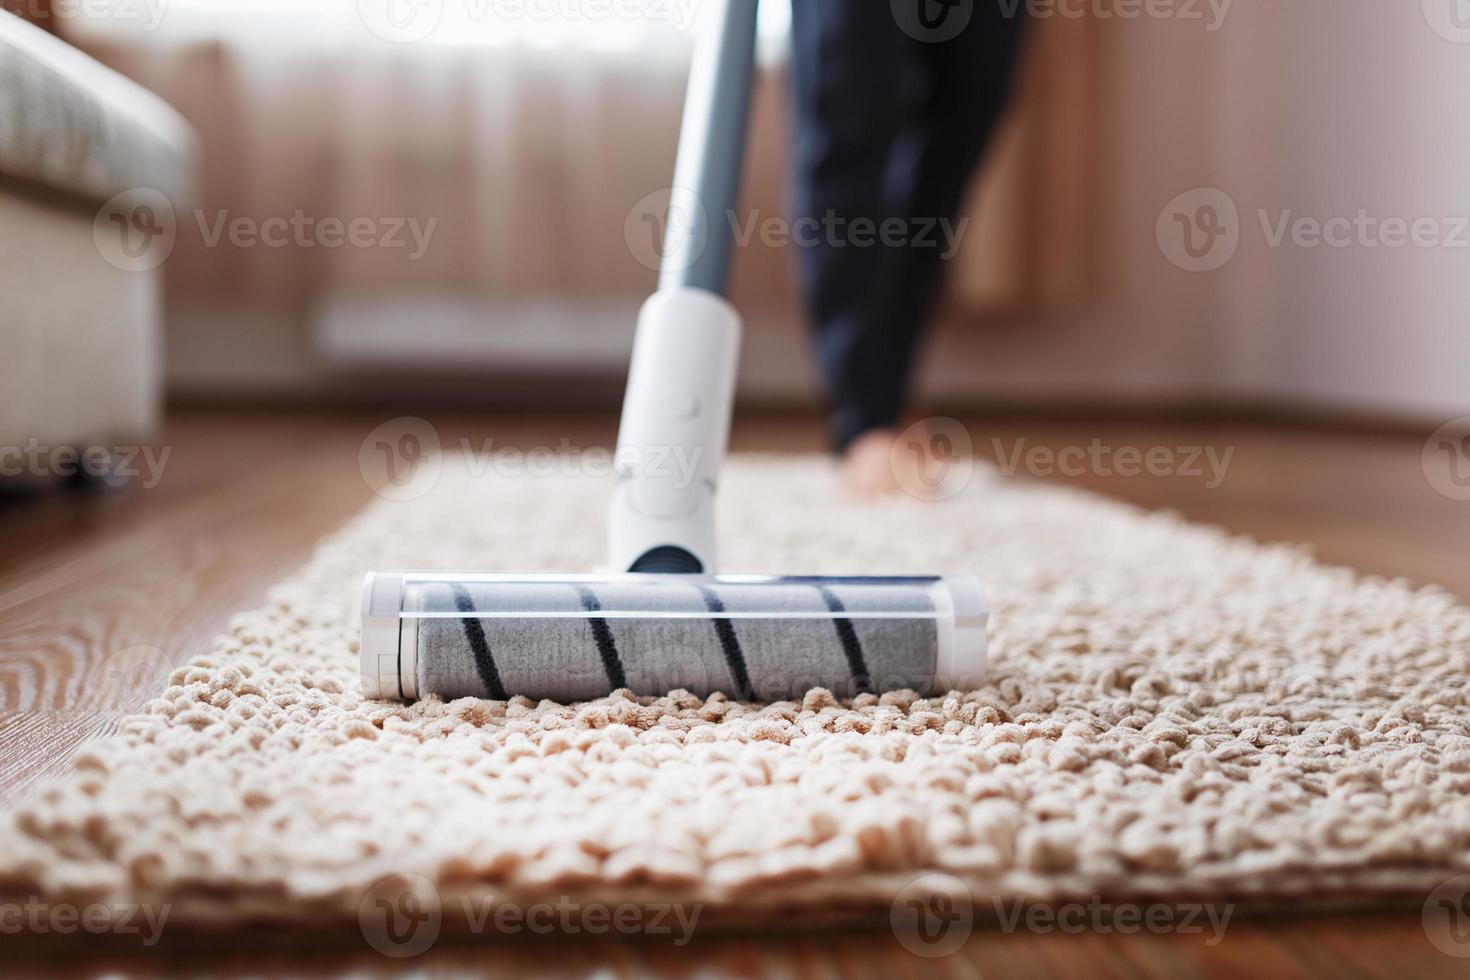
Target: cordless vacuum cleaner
[(666, 623)]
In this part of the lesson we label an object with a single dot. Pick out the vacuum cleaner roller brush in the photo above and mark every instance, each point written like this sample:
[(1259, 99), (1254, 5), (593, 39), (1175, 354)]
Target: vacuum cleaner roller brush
[(578, 637)]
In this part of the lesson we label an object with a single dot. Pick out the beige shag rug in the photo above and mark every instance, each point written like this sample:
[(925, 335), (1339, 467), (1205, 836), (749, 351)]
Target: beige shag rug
[(1171, 712)]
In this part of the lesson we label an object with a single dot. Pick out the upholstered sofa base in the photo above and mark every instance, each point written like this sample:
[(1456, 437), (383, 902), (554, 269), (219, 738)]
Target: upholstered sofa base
[(80, 349)]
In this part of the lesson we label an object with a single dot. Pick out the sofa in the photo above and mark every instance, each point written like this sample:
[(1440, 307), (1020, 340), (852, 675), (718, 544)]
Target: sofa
[(93, 173)]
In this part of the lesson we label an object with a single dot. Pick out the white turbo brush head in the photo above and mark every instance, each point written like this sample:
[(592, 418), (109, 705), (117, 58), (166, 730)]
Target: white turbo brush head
[(573, 638)]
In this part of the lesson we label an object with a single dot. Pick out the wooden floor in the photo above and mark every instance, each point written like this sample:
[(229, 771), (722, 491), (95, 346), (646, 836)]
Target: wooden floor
[(100, 594)]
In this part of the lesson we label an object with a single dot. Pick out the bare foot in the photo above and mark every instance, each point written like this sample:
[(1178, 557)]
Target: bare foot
[(889, 463), (867, 466)]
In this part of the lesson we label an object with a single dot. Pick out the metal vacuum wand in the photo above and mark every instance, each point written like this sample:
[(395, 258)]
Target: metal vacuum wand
[(681, 386)]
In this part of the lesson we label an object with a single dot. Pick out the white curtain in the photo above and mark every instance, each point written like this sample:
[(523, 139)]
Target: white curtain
[(630, 26), (526, 140)]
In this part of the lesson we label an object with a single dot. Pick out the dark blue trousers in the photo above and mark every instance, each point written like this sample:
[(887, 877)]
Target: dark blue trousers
[(892, 115)]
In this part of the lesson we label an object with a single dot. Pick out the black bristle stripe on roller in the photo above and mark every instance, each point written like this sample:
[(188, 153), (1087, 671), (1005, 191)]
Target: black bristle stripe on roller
[(474, 634), (852, 647), (730, 645), (606, 648)]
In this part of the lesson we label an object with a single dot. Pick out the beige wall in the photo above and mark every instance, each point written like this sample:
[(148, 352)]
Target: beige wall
[(1323, 107)]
